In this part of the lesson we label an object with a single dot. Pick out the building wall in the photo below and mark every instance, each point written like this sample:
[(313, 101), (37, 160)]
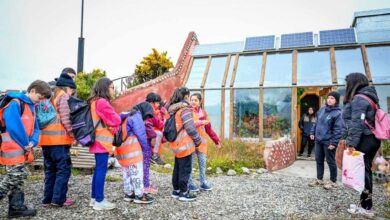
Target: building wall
[(373, 28)]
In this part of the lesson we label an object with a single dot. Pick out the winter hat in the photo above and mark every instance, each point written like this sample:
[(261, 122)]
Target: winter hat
[(335, 95), (68, 70), (66, 81)]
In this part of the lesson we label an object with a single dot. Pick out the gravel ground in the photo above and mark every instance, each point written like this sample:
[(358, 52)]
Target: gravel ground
[(257, 196)]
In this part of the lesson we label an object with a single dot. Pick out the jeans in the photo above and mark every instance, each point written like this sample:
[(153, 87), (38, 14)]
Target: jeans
[(322, 151), (202, 158), (99, 176)]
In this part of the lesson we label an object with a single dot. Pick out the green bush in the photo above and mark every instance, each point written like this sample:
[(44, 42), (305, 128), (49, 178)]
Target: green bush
[(386, 148)]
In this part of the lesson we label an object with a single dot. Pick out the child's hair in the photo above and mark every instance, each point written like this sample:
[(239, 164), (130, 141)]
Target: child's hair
[(40, 87), (178, 95), (101, 89), (153, 97), (199, 96), (354, 81)]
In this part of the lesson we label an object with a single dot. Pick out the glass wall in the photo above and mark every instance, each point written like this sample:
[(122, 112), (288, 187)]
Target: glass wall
[(279, 66), (379, 61), (277, 112), (246, 113), (212, 105), (216, 72), (196, 74), (248, 71), (230, 73), (313, 68), (348, 61), (384, 97), (227, 113)]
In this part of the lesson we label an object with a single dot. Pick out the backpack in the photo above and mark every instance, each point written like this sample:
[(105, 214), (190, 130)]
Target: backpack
[(118, 137), (170, 133), (381, 130), (46, 113), (4, 101), (81, 119)]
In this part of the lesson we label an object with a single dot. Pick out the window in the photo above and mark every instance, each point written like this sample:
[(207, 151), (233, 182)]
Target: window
[(246, 113), (348, 61), (212, 105), (313, 68), (196, 74), (230, 73), (278, 70), (227, 113), (384, 97), (216, 72), (378, 58), (248, 71)]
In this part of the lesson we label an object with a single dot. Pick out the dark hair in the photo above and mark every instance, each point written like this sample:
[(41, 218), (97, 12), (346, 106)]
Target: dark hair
[(153, 97), (40, 87), (101, 89), (178, 95), (199, 96), (354, 82)]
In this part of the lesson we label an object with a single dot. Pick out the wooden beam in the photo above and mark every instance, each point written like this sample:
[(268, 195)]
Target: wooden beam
[(262, 74), (294, 120), (222, 132), (366, 63), (261, 113), (188, 71), (234, 71), (225, 74), (231, 114), (294, 67), (206, 72), (333, 65)]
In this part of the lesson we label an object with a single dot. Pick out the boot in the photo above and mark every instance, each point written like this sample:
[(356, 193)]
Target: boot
[(16, 206)]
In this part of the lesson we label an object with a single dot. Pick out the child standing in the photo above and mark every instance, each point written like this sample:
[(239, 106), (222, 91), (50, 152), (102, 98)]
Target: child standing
[(204, 128), (20, 136), (106, 121)]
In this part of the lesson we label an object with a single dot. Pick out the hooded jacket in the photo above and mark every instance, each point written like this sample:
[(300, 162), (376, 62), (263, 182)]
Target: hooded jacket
[(14, 125)]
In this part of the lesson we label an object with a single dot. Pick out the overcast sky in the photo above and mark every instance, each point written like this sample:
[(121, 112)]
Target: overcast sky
[(39, 37)]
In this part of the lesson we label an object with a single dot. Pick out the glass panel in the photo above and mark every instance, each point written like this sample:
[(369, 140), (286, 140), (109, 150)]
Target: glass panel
[(341, 90), (196, 74), (246, 113), (384, 97), (348, 61), (313, 68), (248, 71), (216, 71), (230, 47), (277, 112), (378, 58), (278, 70), (230, 73), (212, 105), (227, 113)]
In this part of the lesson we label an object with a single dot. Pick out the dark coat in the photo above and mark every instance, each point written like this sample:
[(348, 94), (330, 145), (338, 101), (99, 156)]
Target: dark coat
[(306, 123), (329, 126)]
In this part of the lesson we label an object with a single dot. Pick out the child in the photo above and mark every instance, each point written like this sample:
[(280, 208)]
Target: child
[(130, 155), (305, 124), (107, 122), (20, 136), (56, 140), (204, 128), (327, 132), (187, 139)]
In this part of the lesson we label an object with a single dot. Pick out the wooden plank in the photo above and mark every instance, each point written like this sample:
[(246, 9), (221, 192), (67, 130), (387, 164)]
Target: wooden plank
[(366, 63), (225, 74), (234, 71), (294, 67), (231, 114), (261, 113), (222, 131), (188, 71), (333, 65), (263, 65), (294, 120), (205, 73)]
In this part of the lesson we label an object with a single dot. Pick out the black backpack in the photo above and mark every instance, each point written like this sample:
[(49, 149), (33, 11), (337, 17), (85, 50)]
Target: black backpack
[(170, 133), (4, 100), (118, 137), (82, 123)]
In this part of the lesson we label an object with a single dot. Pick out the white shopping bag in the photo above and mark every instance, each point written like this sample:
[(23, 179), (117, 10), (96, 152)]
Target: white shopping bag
[(353, 170)]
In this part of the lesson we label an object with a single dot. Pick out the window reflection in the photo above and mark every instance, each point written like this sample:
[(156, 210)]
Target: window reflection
[(196, 74), (378, 58), (248, 71), (313, 68), (278, 70), (246, 113)]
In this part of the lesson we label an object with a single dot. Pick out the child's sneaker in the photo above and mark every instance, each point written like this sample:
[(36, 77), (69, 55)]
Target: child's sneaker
[(205, 187), (330, 185), (68, 202), (145, 199), (92, 202), (104, 205), (157, 160), (316, 182), (129, 198), (187, 197), (151, 190), (193, 188), (175, 194)]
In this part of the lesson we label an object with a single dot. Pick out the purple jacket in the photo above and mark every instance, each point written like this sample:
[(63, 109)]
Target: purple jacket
[(135, 126)]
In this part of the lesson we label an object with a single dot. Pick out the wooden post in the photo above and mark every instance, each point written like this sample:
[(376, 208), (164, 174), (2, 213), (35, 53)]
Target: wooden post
[(234, 70), (294, 120), (366, 63), (333, 65), (262, 74), (294, 67), (225, 74), (222, 132), (206, 72), (188, 71), (261, 113), (231, 116)]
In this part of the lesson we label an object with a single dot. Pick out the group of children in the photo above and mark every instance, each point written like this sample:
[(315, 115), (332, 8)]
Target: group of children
[(141, 130)]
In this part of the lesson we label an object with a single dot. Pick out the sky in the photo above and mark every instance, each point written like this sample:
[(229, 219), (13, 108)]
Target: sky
[(38, 38)]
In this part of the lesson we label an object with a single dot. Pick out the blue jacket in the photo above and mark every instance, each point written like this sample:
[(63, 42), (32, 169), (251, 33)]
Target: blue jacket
[(14, 125), (135, 126), (329, 126), (306, 123)]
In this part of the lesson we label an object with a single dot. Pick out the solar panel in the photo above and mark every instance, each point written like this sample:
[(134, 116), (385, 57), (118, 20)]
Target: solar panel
[(260, 43), (297, 40), (340, 36)]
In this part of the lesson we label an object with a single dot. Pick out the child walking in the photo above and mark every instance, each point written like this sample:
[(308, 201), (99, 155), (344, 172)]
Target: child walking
[(204, 128), (106, 121)]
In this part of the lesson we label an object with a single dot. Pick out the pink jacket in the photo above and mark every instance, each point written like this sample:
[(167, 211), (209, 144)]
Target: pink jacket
[(209, 130), (110, 118)]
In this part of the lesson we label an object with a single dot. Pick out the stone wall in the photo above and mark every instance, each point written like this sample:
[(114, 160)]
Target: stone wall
[(279, 154)]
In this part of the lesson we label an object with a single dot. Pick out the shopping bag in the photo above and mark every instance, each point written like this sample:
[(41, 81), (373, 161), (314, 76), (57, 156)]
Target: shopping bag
[(353, 170)]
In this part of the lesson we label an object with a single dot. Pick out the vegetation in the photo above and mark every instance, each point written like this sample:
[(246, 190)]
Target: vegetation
[(113, 179), (86, 81)]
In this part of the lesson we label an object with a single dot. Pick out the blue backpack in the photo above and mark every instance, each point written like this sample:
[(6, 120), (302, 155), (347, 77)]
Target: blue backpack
[(46, 113)]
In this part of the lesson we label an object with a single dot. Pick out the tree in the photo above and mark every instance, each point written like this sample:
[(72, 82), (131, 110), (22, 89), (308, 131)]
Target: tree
[(86, 81), (151, 66)]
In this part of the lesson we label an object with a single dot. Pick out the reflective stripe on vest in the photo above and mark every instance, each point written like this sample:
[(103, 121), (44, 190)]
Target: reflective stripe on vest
[(183, 145), (103, 135), (61, 132), (129, 155), (130, 152), (12, 154), (183, 148)]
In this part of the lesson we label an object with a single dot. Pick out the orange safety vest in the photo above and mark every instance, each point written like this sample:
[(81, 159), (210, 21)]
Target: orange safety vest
[(183, 145), (203, 135), (130, 152), (10, 152), (102, 134), (55, 133)]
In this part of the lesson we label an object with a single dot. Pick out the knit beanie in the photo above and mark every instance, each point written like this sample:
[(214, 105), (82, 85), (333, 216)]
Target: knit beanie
[(335, 95), (65, 81)]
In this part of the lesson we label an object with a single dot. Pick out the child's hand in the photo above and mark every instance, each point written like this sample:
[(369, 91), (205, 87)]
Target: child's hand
[(205, 122), (219, 145)]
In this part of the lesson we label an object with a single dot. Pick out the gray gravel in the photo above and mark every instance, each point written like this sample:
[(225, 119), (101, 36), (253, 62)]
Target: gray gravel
[(257, 196)]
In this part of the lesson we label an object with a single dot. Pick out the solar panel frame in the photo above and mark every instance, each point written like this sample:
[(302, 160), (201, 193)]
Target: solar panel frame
[(338, 36), (260, 43), (304, 39)]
